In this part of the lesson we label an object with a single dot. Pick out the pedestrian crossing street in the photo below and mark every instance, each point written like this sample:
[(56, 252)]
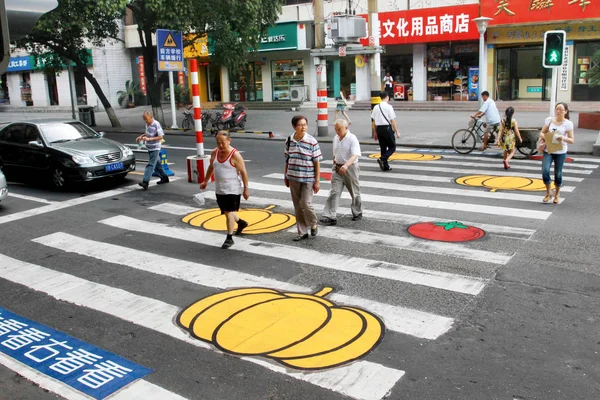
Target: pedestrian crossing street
[(418, 288)]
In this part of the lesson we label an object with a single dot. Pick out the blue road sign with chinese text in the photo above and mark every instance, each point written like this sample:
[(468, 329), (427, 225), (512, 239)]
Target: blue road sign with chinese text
[(80, 365), (169, 46)]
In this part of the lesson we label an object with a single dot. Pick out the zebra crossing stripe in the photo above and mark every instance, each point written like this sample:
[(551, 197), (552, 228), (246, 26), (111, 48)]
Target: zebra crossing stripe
[(338, 262), (398, 319), (424, 203), (406, 219), (34, 212), (411, 244), (499, 195), (515, 162), (422, 168), (362, 380), (498, 166), (172, 208)]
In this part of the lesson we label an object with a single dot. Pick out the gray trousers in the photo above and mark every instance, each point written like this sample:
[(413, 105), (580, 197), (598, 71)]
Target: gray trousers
[(302, 195), (338, 181)]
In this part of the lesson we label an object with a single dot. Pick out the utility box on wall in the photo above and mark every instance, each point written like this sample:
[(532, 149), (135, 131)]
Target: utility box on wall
[(348, 29)]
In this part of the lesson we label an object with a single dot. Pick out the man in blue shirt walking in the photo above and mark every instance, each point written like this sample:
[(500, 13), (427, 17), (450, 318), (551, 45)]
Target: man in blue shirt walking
[(152, 137)]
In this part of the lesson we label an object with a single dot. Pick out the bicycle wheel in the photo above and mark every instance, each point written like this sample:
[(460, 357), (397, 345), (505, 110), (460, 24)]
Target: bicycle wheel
[(463, 141), (187, 124), (527, 147)]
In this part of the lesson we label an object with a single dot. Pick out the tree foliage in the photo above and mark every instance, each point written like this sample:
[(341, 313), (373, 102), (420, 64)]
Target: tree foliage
[(71, 27), (233, 26)]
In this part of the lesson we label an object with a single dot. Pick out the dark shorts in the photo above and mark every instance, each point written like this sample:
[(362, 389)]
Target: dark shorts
[(229, 202)]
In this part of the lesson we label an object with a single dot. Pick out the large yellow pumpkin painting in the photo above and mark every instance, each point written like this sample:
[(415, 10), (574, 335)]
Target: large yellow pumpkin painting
[(495, 183), (260, 220), (303, 331), (409, 157)]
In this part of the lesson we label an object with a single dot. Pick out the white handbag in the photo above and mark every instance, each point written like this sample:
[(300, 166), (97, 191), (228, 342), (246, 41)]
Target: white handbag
[(199, 198)]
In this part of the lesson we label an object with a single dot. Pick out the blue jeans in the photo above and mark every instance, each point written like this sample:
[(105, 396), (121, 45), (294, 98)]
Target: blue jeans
[(559, 161), (154, 163)]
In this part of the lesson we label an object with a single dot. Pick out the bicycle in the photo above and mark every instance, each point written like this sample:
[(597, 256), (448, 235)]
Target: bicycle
[(465, 140), (188, 120)]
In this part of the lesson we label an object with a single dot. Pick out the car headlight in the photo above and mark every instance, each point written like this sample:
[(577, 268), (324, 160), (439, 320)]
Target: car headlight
[(82, 160), (127, 151)]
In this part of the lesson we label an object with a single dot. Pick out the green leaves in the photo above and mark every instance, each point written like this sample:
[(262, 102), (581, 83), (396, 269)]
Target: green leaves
[(451, 225)]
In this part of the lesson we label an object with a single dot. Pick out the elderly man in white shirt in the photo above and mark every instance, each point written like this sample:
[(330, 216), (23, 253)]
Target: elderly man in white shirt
[(346, 151)]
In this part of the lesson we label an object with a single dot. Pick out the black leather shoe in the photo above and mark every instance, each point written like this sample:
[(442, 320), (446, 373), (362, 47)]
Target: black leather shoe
[(314, 230), (241, 226), (163, 181), (143, 184), (380, 164), (301, 237), (227, 243), (357, 217)]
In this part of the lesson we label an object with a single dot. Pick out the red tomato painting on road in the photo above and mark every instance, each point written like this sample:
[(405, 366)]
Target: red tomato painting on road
[(446, 231)]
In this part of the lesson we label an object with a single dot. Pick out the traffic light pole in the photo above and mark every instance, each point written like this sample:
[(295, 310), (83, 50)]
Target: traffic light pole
[(554, 88)]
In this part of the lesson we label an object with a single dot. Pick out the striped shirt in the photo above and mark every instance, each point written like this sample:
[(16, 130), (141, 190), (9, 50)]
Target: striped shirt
[(301, 156), (153, 130)]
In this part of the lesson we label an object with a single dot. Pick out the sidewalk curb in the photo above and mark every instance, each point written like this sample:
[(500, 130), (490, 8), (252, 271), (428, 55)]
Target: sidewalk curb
[(328, 139)]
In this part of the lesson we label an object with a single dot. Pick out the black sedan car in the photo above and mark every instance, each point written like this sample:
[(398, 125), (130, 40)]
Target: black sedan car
[(61, 151)]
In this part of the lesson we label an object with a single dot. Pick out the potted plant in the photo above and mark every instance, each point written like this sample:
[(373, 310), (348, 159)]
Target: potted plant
[(591, 119), (181, 95), (127, 96)]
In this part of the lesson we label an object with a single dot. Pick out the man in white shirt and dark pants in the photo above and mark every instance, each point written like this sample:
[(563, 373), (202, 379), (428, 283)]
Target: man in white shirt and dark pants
[(346, 151), (383, 119)]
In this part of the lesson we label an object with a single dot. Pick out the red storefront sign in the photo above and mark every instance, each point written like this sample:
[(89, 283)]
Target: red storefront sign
[(427, 25), (181, 78), (506, 12), (140, 62)]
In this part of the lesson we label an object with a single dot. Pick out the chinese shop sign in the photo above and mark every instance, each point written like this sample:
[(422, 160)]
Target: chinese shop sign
[(535, 33), (140, 63), (82, 366), (506, 12), (427, 25)]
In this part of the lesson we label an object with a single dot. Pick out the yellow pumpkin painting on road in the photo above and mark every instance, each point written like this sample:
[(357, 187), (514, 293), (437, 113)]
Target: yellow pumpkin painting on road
[(260, 220), (495, 183), (303, 331), (409, 157)]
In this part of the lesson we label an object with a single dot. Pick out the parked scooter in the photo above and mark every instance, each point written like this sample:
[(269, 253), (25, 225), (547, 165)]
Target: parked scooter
[(234, 116)]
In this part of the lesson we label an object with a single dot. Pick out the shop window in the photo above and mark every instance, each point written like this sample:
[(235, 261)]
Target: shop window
[(292, 2), (52, 87), (448, 69), (4, 98), (25, 86), (285, 74), (80, 89), (583, 64), (246, 84)]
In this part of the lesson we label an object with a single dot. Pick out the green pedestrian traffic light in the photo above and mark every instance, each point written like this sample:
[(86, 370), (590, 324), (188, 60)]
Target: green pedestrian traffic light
[(554, 48)]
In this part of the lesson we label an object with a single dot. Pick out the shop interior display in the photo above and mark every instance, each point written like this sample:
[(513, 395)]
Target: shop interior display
[(285, 75)]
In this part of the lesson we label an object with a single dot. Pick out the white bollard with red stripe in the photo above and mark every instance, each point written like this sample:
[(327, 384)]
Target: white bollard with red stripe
[(197, 165), (322, 116)]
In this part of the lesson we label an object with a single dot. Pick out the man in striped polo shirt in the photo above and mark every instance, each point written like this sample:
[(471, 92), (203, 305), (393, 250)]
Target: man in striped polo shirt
[(302, 172)]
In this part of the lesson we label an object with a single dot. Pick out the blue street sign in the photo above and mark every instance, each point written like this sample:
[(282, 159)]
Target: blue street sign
[(169, 46), (80, 365), (19, 64)]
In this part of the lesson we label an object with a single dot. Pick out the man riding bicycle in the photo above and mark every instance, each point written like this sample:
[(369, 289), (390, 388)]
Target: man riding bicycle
[(492, 117)]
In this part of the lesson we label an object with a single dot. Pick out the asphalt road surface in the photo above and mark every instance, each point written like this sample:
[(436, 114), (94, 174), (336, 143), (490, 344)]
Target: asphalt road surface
[(511, 314)]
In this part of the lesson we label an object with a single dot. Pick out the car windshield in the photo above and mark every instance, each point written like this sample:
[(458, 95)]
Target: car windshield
[(65, 132)]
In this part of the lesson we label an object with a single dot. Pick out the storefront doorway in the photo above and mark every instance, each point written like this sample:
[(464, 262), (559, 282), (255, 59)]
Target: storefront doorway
[(520, 74), (246, 84)]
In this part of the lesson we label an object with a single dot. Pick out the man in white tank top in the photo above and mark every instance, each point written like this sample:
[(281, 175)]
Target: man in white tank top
[(229, 169)]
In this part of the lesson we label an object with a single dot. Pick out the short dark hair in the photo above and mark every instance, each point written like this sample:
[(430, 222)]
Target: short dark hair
[(485, 93), (383, 95), (297, 118)]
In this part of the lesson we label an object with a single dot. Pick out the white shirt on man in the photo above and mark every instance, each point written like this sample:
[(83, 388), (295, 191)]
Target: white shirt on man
[(492, 116), (381, 111), (345, 148)]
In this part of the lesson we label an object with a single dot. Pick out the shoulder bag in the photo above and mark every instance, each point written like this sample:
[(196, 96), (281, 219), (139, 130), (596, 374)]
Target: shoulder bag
[(390, 129)]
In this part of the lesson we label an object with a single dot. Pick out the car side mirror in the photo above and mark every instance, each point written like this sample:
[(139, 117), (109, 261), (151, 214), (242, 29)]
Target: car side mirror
[(35, 143), (101, 134)]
